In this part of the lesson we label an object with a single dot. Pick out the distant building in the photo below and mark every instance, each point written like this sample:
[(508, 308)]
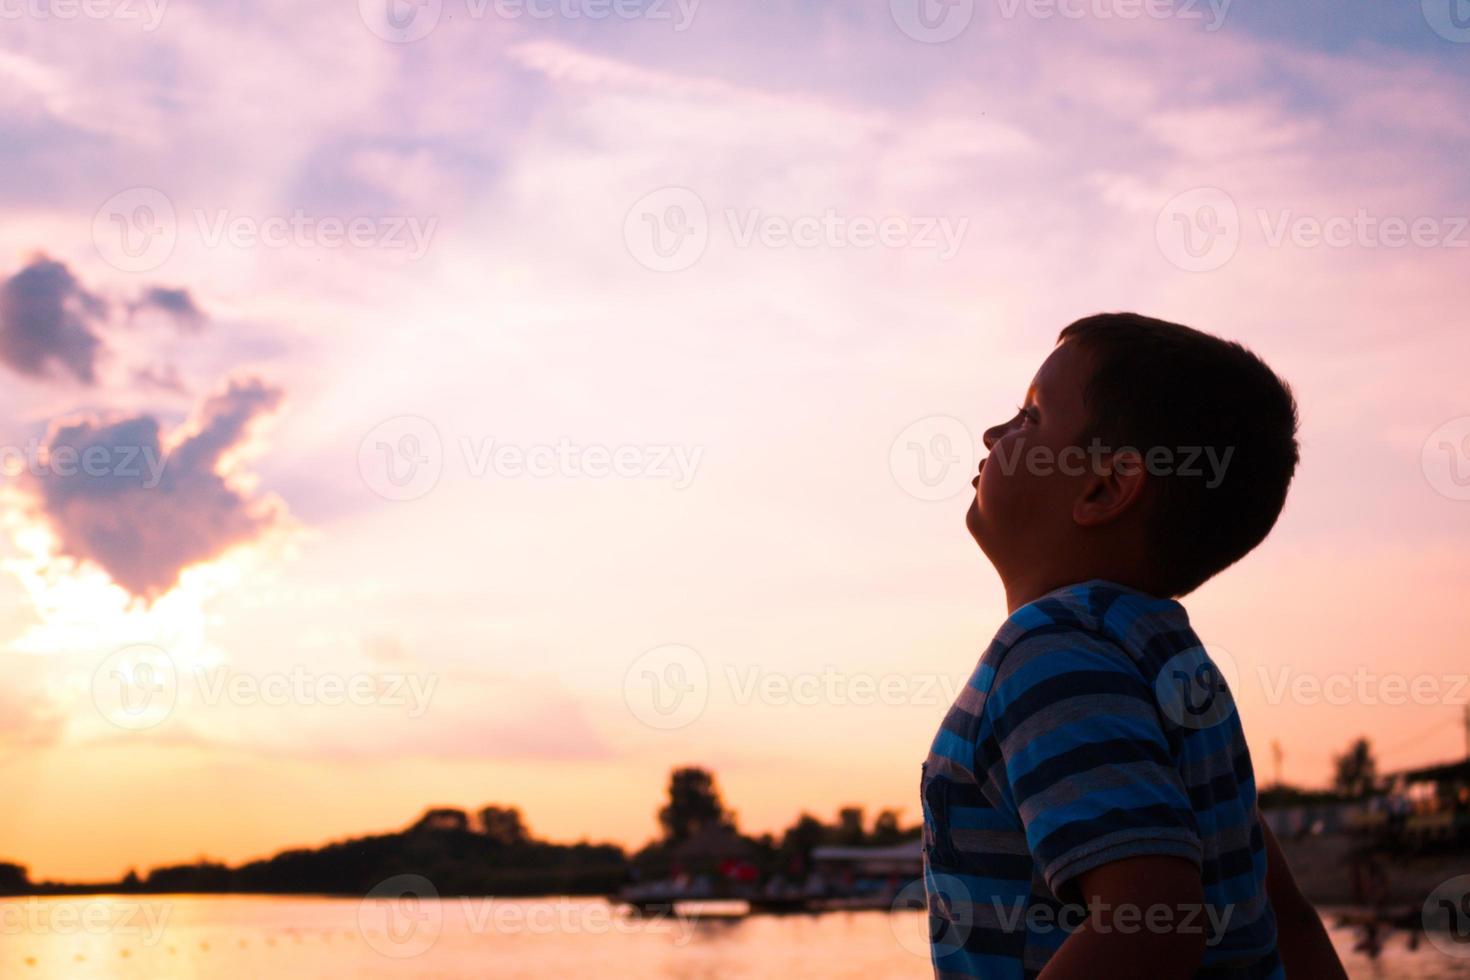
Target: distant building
[(904, 860), (1433, 804)]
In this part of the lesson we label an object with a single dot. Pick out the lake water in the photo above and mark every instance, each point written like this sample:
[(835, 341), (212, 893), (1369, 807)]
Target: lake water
[(166, 937)]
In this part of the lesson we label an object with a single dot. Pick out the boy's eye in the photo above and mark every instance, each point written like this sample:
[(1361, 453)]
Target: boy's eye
[(1025, 414)]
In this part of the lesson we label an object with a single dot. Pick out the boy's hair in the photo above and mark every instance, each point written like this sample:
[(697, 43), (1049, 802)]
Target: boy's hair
[(1160, 384)]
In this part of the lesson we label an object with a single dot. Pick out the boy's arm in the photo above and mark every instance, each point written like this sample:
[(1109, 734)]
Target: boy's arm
[(1301, 939), (1142, 910)]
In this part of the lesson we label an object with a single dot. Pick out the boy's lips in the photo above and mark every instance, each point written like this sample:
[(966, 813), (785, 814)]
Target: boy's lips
[(975, 481)]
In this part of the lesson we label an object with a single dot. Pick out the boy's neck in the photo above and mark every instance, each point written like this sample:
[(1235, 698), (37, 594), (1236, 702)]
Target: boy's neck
[(1020, 592)]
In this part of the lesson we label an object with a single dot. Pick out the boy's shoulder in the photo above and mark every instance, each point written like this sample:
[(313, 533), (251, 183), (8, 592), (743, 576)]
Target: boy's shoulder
[(1096, 638), (1099, 616), (1100, 608)]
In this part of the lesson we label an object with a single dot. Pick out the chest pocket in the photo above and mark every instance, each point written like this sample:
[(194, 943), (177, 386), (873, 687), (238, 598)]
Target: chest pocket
[(936, 791)]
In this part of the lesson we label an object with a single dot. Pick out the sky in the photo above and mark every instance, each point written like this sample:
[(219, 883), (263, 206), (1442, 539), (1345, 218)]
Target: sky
[(463, 402)]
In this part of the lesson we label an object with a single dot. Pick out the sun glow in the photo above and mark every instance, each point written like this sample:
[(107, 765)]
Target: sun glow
[(78, 608)]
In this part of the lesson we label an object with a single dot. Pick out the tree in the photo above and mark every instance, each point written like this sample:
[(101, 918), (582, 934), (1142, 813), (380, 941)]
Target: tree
[(850, 831), (694, 805), (886, 829), (14, 879), (1356, 770), (443, 818), (503, 825)]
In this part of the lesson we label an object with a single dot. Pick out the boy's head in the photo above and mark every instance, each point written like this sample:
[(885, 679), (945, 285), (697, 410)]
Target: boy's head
[(1145, 452)]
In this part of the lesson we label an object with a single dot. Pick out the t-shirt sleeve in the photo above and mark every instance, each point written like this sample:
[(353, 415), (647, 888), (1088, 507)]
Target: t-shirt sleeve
[(1086, 761)]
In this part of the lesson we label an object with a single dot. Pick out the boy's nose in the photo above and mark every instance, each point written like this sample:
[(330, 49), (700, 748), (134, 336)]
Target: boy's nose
[(992, 436)]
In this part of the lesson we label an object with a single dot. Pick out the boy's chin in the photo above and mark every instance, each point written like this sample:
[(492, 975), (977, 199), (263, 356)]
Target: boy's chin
[(973, 522)]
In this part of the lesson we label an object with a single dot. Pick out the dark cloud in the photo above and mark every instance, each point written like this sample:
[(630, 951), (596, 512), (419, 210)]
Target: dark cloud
[(114, 499), (176, 304), (160, 377), (48, 323)]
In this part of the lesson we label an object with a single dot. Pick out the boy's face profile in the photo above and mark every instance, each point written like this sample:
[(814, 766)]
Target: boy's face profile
[(1023, 512)]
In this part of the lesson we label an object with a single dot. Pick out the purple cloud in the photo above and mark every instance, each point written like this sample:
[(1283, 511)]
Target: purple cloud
[(48, 323), (177, 304), (115, 499)]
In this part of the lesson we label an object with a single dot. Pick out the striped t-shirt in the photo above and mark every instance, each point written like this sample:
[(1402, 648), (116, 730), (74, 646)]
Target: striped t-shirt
[(1095, 728)]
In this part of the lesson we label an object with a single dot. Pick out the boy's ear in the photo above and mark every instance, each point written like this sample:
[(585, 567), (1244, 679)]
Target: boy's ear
[(1111, 488)]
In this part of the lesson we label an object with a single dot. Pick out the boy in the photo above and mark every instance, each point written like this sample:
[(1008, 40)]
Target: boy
[(1089, 803)]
